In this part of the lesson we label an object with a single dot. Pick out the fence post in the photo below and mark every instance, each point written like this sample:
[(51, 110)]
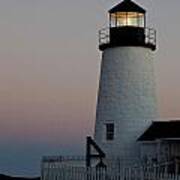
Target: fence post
[(141, 173), (176, 166)]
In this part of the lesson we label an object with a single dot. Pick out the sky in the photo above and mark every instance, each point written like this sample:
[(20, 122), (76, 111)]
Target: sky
[(49, 73)]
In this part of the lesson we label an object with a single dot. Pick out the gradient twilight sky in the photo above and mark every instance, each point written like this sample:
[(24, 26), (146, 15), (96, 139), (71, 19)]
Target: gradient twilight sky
[(49, 70)]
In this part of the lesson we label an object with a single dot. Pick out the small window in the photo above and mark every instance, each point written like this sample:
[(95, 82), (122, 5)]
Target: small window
[(110, 131)]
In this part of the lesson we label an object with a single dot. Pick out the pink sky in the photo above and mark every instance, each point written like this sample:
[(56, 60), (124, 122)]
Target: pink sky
[(49, 70)]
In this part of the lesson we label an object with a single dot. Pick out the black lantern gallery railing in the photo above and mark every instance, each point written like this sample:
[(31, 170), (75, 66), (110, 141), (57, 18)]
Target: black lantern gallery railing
[(149, 40), (104, 36)]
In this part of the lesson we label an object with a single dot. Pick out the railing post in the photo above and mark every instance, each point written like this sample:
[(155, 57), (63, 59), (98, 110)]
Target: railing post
[(155, 33), (141, 174), (99, 33)]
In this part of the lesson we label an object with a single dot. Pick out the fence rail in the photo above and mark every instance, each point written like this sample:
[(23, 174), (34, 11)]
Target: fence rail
[(51, 159)]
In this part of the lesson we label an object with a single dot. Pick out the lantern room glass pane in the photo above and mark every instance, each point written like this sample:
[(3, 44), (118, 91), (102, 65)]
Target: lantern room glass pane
[(141, 20), (121, 18), (127, 19), (132, 19), (113, 21)]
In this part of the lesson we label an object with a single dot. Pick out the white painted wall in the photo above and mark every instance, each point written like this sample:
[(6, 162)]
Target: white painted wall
[(127, 97), (148, 151), (160, 150)]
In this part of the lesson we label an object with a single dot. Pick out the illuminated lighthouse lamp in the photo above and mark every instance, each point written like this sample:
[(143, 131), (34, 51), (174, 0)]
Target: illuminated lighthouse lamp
[(127, 26)]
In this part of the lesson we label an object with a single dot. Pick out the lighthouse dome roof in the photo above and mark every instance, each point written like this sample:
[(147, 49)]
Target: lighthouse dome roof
[(127, 6)]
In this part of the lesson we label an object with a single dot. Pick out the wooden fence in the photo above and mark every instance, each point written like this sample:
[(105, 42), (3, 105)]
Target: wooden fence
[(73, 168), (82, 173)]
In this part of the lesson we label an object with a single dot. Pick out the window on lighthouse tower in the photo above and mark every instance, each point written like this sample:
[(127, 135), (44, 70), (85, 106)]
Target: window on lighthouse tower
[(110, 131)]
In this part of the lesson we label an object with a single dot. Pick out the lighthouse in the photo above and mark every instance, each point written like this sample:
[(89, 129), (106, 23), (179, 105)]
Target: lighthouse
[(127, 103)]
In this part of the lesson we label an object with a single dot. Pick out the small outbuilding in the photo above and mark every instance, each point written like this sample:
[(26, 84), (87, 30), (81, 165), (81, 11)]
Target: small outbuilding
[(160, 142)]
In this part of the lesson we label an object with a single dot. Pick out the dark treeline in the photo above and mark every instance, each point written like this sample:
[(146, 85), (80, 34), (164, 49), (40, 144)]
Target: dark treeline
[(4, 177)]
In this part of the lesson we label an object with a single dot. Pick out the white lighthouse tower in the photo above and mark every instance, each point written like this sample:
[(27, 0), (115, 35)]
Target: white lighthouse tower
[(127, 95)]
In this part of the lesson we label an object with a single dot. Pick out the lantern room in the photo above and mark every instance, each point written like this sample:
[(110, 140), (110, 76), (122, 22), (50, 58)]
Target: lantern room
[(127, 27), (127, 13)]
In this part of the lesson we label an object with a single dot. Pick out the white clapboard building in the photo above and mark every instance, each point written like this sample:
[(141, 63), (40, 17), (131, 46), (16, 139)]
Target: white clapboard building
[(160, 142), (127, 133)]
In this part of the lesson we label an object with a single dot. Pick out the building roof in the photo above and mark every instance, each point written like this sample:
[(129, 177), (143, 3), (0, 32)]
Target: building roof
[(127, 6), (161, 130)]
